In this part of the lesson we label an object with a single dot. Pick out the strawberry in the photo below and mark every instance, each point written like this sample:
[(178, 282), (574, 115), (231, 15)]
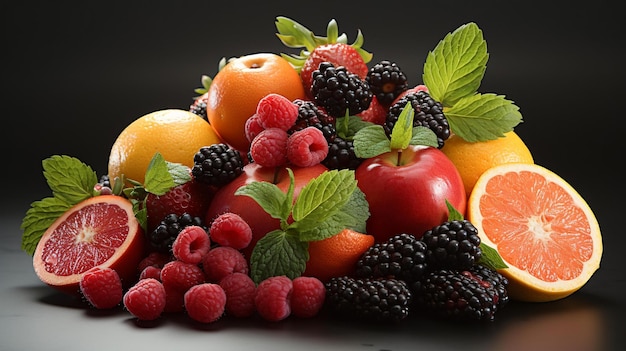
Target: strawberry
[(376, 113)]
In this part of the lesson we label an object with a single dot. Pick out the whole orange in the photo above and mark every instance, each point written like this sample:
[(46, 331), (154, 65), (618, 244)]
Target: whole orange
[(176, 134), (336, 256), (237, 88)]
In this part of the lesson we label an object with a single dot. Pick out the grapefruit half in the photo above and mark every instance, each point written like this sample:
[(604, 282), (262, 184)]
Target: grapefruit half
[(542, 228), (101, 231)]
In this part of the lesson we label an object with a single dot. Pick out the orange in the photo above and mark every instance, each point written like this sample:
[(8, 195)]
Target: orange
[(176, 134), (237, 88), (472, 159), (336, 256), (101, 231), (542, 228)]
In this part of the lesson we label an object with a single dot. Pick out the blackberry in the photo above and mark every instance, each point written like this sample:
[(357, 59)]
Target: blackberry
[(341, 155), (381, 300), (217, 164), (401, 257), (198, 107), (457, 295), (338, 90), (428, 113), (387, 81), (497, 280), (453, 245), (309, 115), (163, 236)]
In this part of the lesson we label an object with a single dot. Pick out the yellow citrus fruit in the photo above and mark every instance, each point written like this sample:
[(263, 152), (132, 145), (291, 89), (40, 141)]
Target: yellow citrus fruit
[(175, 134), (472, 159), (237, 88), (542, 228)]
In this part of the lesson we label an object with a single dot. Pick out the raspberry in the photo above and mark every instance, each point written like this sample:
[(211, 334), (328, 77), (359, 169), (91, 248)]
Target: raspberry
[(146, 299), (269, 148), (273, 297), (191, 244), (276, 111), (240, 291), (229, 229), (253, 127), (307, 297), (222, 261), (155, 258), (101, 287), (307, 147), (205, 303), (181, 276), (174, 299), (151, 272)]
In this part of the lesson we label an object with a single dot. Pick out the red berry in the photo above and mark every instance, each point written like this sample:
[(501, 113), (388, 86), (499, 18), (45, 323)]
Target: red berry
[(181, 275), (151, 272), (272, 298), (307, 147), (276, 111), (229, 229), (222, 261), (376, 113), (191, 244), (307, 297), (146, 299), (174, 299), (253, 127), (240, 291), (156, 259), (101, 287), (269, 148), (205, 303)]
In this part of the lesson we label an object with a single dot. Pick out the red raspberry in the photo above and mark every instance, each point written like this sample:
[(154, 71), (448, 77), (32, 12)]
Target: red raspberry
[(222, 261), (156, 259), (253, 127), (151, 272), (272, 300), (205, 303), (101, 287), (269, 148), (174, 299), (240, 291), (191, 244), (146, 299), (276, 111), (307, 147), (181, 276), (229, 229), (307, 297), (376, 113)]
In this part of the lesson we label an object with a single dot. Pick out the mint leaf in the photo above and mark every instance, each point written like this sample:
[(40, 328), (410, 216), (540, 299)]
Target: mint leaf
[(482, 117), (453, 213), (278, 253), (324, 195), (371, 141), (403, 129), (455, 68), (269, 197), (39, 217), (69, 179), (161, 176), (491, 258), (348, 126), (423, 136)]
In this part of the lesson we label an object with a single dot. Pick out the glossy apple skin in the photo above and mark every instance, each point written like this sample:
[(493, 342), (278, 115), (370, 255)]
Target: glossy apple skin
[(409, 196), (260, 222)]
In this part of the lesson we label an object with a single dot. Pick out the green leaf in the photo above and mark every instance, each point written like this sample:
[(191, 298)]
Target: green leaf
[(424, 136), (455, 68), (269, 197), (140, 210), (453, 213), (371, 141), (161, 176), (70, 180), (278, 253), (482, 117), (403, 129), (38, 219), (324, 195), (491, 258)]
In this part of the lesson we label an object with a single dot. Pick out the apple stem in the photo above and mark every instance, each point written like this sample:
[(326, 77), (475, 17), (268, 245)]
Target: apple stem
[(398, 160)]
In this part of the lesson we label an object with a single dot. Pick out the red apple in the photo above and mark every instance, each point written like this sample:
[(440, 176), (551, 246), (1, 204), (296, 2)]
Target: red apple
[(260, 222), (407, 191)]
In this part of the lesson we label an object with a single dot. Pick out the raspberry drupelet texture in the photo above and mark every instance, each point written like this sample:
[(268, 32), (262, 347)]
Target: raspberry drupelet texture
[(229, 229), (181, 276), (307, 297), (101, 287), (269, 148), (252, 127), (311, 115), (162, 237), (151, 272), (276, 111), (240, 292), (307, 147), (339, 91), (205, 303), (221, 261), (191, 244), (272, 300), (146, 299), (453, 245)]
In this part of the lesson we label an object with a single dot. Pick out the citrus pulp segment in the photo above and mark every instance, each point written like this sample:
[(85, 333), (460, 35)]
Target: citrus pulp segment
[(542, 228)]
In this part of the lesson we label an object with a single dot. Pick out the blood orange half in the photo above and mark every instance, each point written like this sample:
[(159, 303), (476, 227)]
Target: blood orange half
[(542, 228), (100, 231)]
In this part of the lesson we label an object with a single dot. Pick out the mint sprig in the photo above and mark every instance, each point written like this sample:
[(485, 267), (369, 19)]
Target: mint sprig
[(326, 205)]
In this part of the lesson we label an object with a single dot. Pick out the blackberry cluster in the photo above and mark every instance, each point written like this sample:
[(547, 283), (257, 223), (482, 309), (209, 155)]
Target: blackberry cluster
[(453, 245), (217, 165), (309, 115), (497, 280), (381, 300), (341, 155), (460, 295), (338, 90), (401, 257), (163, 236), (198, 107), (428, 113), (387, 81)]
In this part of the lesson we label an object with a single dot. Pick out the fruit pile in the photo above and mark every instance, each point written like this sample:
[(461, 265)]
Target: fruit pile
[(319, 180)]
